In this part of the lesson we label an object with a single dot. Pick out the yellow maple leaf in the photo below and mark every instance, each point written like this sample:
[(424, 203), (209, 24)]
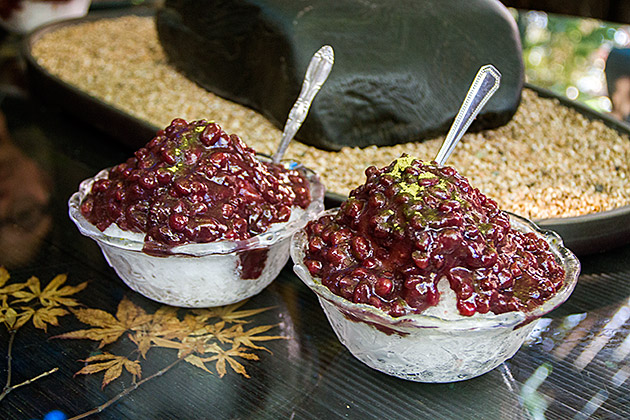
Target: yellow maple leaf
[(24, 296), (170, 344), (218, 331), (229, 313), (248, 337), (190, 345), (51, 295), (142, 340), (222, 356), (47, 315), (11, 317), (112, 365), (11, 288), (131, 315), (195, 323), (4, 275), (8, 315), (197, 361), (164, 324), (24, 316), (108, 328)]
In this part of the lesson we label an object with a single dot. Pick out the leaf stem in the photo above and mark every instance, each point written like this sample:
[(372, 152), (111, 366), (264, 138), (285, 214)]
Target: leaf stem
[(8, 387), (103, 406)]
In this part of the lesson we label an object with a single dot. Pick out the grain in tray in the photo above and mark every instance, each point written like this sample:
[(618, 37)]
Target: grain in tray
[(548, 161)]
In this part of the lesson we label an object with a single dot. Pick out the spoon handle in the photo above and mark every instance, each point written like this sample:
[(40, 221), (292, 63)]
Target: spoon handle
[(316, 74), (483, 87)]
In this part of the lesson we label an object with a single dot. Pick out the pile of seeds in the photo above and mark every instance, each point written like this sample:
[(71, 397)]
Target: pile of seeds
[(548, 161)]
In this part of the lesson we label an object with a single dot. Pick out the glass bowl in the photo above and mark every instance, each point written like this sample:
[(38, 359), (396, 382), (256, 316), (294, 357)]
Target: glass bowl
[(429, 348), (199, 274), (30, 14)]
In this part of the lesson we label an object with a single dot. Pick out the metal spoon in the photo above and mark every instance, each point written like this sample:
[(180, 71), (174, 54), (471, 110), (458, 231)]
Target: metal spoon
[(316, 74), (482, 88)]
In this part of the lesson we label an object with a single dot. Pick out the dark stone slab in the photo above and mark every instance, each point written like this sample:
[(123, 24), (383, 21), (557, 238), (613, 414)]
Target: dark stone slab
[(401, 70)]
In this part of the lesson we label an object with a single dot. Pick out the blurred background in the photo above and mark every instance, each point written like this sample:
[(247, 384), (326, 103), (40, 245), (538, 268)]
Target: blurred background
[(566, 45), (610, 10)]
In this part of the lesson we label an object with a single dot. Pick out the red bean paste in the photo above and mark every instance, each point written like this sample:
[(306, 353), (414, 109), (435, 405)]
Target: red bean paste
[(412, 224), (194, 183)]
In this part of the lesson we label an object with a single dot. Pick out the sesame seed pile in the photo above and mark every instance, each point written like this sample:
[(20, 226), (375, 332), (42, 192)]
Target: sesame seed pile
[(549, 161)]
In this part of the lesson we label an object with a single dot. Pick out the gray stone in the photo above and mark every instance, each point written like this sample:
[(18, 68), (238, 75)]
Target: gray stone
[(402, 67)]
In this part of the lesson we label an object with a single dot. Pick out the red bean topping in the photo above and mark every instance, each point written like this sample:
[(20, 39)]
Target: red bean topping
[(195, 183), (412, 224)]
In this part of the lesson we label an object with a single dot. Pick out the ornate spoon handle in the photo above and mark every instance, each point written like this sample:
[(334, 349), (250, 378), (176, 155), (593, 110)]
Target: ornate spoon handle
[(316, 74), (483, 87)]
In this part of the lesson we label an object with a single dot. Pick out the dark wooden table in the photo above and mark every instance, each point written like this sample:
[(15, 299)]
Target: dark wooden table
[(75, 341)]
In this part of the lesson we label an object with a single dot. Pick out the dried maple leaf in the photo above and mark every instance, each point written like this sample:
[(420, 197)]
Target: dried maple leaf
[(24, 316), (197, 362), (47, 315), (8, 315), (193, 344), (51, 295), (218, 331), (11, 317), (201, 316), (171, 344), (247, 338), (142, 340), (223, 356), (185, 347), (25, 296), (4, 276), (195, 323), (11, 288), (130, 314), (229, 313), (112, 365), (108, 328), (163, 324)]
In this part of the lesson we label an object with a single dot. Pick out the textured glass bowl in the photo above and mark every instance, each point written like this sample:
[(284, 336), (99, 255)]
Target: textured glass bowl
[(427, 348), (32, 13), (201, 274)]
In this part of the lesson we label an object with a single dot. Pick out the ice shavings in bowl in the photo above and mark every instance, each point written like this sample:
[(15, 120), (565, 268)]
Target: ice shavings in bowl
[(195, 218), (424, 278)]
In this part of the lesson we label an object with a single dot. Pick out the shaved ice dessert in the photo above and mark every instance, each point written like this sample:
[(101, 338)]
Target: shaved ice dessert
[(197, 218), (423, 277), (413, 225)]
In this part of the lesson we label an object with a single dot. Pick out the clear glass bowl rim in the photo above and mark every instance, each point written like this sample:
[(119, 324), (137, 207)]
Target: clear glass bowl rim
[(408, 323), (263, 240)]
